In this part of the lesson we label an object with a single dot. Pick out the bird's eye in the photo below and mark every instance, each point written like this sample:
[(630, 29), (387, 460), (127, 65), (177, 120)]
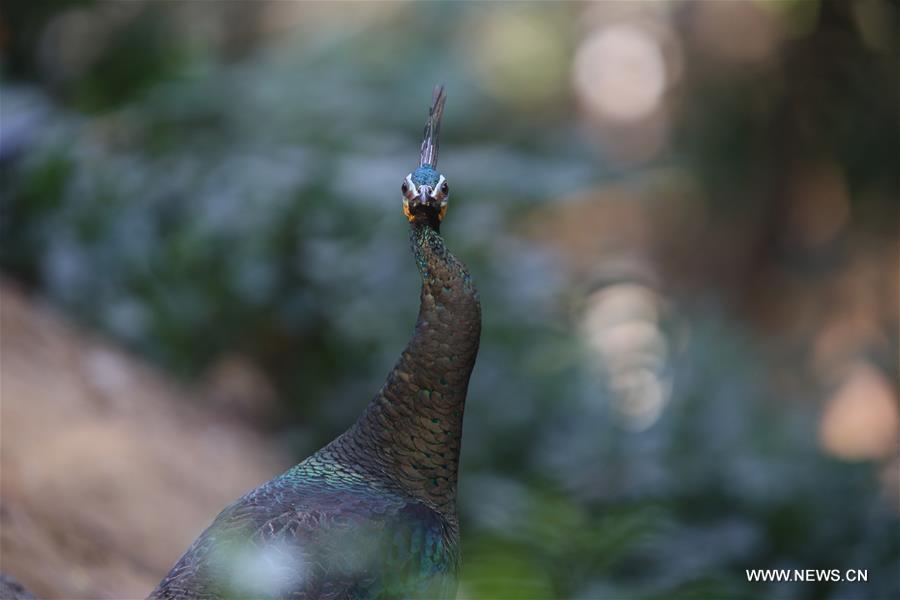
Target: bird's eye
[(445, 189), (404, 188)]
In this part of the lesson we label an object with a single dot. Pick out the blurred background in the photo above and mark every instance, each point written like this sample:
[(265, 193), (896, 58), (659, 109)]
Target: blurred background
[(681, 216)]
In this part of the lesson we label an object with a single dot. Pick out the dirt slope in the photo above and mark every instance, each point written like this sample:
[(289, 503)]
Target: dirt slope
[(108, 470)]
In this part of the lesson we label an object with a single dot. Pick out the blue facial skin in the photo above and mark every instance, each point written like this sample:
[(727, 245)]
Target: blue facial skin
[(426, 175)]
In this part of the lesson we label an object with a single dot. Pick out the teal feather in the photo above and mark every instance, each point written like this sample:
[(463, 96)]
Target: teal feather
[(426, 175)]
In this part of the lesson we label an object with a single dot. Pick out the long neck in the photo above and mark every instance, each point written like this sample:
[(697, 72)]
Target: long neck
[(413, 425)]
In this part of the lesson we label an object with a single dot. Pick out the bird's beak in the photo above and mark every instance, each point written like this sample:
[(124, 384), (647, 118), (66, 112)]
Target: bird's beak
[(424, 195)]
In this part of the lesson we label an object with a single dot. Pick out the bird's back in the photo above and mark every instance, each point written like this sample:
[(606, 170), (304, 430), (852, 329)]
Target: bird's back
[(320, 530)]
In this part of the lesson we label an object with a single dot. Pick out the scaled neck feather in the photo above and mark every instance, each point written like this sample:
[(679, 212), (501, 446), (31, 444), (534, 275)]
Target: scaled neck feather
[(413, 425)]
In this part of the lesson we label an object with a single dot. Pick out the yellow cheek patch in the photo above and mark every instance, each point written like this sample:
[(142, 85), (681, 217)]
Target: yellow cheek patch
[(442, 213)]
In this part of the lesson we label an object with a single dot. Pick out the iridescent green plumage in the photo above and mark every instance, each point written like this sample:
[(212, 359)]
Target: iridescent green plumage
[(373, 513)]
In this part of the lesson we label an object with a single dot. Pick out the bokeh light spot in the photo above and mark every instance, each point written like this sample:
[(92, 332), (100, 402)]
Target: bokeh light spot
[(860, 420), (519, 57), (620, 73), (621, 326)]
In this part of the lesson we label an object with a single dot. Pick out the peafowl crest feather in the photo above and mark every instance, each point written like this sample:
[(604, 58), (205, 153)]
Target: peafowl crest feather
[(373, 513)]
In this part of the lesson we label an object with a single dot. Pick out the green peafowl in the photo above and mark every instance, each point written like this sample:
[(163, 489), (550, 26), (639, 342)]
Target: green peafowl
[(373, 513)]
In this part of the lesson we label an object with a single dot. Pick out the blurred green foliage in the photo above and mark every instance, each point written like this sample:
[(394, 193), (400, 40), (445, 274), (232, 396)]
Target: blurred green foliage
[(194, 200)]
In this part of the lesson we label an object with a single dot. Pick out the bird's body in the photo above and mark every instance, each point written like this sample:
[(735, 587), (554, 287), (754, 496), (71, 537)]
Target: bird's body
[(317, 532), (373, 513)]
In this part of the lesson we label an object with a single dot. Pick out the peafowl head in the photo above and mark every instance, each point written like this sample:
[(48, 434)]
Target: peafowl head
[(425, 191)]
